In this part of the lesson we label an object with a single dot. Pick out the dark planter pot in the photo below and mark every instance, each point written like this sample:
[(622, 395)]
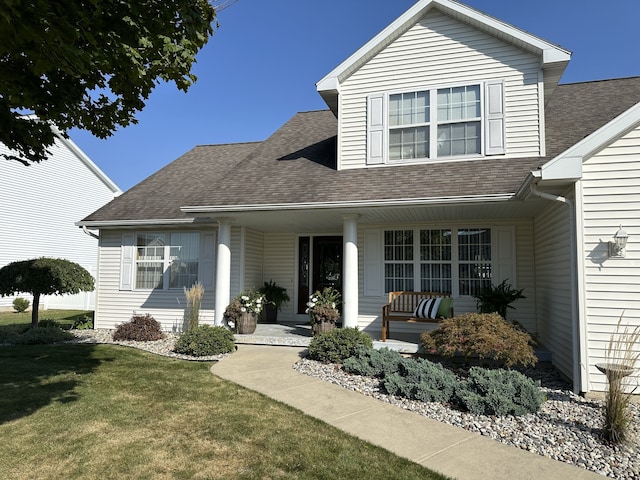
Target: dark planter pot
[(246, 324), (270, 314)]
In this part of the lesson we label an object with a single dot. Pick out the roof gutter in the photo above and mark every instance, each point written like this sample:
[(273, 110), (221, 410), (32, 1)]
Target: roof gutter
[(138, 223), (195, 209), (91, 234), (578, 365)]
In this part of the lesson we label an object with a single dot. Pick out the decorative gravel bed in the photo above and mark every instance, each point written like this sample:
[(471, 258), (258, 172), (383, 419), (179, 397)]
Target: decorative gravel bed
[(567, 427), (160, 347)]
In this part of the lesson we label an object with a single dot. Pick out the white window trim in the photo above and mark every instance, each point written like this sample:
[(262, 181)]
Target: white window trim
[(492, 124), (455, 261), (129, 261)]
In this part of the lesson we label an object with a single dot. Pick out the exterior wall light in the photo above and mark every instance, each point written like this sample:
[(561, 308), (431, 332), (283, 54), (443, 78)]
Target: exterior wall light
[(617, 248)]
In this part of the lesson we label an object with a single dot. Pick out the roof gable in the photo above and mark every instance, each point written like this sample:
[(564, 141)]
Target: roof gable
[(553, 58)]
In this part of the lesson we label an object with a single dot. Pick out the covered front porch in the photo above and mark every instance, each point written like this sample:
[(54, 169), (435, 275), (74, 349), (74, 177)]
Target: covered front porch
[(296, 334)]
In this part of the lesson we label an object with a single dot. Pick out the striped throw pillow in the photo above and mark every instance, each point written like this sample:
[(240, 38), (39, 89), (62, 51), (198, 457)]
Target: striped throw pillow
[(427, 308)]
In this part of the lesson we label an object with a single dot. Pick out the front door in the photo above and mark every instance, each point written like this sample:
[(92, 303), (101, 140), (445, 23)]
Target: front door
[(319, 266)]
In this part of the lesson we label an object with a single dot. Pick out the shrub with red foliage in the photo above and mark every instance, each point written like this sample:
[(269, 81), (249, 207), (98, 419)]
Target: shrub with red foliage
[(141, 328)]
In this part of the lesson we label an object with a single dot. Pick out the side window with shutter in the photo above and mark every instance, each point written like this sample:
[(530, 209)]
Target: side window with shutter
[(376, 125), (494, 118), (127, 261)]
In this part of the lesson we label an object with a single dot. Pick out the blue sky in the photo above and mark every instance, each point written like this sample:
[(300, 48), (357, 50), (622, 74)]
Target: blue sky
[(261, 66)]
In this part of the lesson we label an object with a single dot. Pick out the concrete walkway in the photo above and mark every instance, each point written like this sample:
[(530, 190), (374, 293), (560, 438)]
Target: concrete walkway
[(449, 450)]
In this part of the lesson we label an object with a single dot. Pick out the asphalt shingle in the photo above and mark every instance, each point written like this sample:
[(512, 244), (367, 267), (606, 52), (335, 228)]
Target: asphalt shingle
[(297, 164)]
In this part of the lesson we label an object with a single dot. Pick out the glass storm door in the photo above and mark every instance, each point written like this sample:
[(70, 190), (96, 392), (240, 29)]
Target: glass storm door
[(319, 266)]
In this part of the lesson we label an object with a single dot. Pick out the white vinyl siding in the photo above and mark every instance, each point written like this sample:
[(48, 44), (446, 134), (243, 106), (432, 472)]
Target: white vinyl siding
[(253, 255), (116, 306), (611, 197), (439, 51), (280, 266), (39, 206), (553, 284)]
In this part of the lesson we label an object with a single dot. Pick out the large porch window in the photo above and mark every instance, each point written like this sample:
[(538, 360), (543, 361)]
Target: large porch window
[(457, 261)]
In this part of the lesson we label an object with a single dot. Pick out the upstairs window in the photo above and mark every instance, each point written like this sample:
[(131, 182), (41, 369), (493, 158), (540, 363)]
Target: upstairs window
[(459, 120), (436, 123)]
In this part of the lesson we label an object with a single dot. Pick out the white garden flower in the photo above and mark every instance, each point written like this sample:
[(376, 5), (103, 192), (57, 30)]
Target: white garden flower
[(243, 309), (245, 298)]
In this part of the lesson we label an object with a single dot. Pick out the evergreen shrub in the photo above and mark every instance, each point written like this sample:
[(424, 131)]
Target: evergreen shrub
[(498, 392), (42, 336), (421, 380), (205, 340), (373, 363), (337, 345), (21, 304)]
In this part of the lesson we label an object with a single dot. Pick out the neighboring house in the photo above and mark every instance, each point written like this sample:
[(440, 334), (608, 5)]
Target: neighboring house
[(449, 159), (39, 205)]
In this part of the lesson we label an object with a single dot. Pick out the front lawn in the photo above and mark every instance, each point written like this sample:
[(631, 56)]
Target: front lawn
[(64, 317), (103, 411)]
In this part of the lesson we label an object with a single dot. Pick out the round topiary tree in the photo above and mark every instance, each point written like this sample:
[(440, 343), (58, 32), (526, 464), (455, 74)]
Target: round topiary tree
[(44, 276)]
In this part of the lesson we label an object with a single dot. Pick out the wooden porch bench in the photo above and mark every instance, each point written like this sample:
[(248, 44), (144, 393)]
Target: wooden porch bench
[(402, 305)]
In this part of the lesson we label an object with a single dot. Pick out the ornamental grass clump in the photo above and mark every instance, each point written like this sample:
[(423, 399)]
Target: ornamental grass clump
[(141, 328), (621, 357), (194, 302), (481, 335)]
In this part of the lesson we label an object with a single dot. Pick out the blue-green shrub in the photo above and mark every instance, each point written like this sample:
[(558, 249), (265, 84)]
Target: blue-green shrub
[(498, 392), (42, 336), (337, 345), (421, 380), (373, 363), (205, 340)]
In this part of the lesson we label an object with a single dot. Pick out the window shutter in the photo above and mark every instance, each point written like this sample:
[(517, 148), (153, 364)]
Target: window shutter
[(494, 118), (372, 263), (127, 261), (207, 264), (505, 256), (375, 129)]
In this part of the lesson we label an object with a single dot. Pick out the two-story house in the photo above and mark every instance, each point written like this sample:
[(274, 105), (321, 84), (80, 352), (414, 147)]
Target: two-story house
[(449, 158)]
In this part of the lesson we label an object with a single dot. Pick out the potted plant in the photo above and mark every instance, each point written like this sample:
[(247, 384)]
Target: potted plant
[(323, 310), (497, 298), (243, 311), (275, 296)]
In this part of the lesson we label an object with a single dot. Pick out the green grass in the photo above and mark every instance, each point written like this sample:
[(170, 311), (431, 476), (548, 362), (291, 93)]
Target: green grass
[(104, 411), (64, 317)]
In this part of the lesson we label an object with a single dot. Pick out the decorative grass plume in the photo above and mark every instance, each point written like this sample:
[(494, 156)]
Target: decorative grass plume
[(621, 358)]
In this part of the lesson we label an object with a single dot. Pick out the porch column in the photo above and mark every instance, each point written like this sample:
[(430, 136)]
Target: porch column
[(223, 270), (350, 272)]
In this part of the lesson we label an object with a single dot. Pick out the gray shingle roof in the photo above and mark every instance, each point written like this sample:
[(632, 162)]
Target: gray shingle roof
[(297, 164)]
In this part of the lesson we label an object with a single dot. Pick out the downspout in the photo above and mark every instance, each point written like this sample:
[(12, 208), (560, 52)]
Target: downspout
[(577, 364), (91, 234)]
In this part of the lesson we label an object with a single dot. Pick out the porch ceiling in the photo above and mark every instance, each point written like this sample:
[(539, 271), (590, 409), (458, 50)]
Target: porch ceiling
[(330, 219)]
